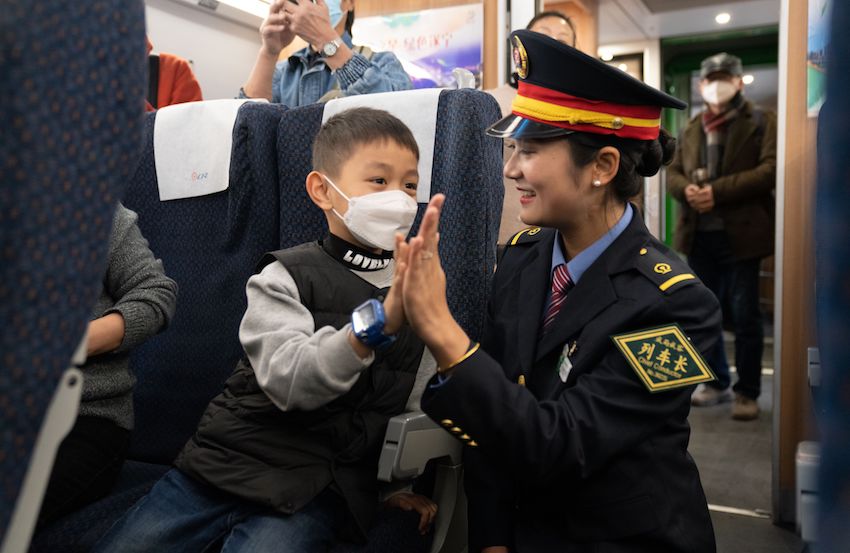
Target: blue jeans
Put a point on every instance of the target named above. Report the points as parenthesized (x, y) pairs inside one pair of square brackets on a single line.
[(735, 283), (180, 515)]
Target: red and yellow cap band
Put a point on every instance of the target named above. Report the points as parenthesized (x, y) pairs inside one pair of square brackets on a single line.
[(558, 109)]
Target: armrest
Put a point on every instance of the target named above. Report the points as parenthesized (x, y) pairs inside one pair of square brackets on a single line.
[(411, 440), (58, 421)]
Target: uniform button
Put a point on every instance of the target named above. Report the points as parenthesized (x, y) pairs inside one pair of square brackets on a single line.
[(643, 251), (472, 444), (617, 123), (447, 422), (465, 437), (456, 430)]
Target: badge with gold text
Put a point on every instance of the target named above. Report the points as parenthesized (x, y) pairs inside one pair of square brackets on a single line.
[(663, 358), (520, 58)]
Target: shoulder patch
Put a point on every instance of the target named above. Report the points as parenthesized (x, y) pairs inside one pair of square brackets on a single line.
[(663, 358), (526, 236), (667, 272)]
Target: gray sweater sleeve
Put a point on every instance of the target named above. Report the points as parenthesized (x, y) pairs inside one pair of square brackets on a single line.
[(298, 366), (135, 279)]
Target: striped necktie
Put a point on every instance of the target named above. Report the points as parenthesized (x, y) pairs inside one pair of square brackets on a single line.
[(561, 284)]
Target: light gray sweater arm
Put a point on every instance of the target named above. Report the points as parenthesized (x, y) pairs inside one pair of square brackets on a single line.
[(298, 366)]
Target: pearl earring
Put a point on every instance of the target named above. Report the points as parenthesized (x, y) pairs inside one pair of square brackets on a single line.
[(597, 182)]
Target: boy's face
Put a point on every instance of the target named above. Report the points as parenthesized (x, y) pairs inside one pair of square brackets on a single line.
[(373, 167)]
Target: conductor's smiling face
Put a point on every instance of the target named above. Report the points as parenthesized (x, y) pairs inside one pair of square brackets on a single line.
[(553, 191)]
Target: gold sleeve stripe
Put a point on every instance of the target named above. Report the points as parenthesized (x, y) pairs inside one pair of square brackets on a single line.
[(517, 235), (675, 280)]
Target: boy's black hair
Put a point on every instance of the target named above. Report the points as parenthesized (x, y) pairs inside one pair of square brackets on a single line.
[(553, 13), (349, 129)]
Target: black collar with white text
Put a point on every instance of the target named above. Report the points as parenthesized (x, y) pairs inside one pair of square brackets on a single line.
[(355, 257)]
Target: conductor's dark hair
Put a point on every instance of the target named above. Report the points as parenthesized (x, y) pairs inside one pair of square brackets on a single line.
[(638, 158), (553, 13), (346, 131)]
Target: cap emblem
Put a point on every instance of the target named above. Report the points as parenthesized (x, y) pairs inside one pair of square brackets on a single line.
[(520, 58)]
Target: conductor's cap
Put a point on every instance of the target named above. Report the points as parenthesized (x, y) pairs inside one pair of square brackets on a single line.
[(562, 91)]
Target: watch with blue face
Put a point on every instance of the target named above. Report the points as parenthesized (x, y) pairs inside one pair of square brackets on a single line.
[(367, 324)]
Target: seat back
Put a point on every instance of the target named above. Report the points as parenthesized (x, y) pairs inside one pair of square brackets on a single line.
[(467, 168), (66, 148), (210, 245)]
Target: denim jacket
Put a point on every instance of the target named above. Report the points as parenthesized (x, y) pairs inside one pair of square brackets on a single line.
[(304, 78)]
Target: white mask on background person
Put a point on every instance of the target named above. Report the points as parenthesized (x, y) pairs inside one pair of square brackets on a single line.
[(334, 11), (718, 92), (375, 218)]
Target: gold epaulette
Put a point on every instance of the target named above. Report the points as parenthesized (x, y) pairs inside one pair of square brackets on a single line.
[(525, 236), (668, 272)]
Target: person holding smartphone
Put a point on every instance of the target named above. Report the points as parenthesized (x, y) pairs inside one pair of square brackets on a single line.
[(329, 66)]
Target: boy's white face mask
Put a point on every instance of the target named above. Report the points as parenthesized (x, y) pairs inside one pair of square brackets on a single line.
[(718, 92), (373, 219)]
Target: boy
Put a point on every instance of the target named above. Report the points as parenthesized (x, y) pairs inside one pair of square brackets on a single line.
[(285, 459)]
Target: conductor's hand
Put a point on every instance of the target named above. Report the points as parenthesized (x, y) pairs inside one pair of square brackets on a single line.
[(312, 22), (425, 304), (426, 508), (425, 286), (275, 30)]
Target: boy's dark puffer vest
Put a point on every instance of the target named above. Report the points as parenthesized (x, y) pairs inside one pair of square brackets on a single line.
[(248, 447)]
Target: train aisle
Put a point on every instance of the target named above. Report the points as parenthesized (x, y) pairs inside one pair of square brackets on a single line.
[(734, 460)]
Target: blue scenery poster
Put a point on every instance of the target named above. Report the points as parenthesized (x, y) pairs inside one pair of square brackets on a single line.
[(816, 54), (429, 43)]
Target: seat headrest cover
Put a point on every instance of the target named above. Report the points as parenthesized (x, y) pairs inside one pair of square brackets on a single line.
[(417, 109), (192, 144)]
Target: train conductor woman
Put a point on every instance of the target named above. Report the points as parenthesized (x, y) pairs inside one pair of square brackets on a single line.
[(573, 407)]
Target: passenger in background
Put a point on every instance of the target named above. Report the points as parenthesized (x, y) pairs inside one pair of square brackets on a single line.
[(560, 27), (170, 81), (724, 175), (136, 301), (330, 66), (285, 460)]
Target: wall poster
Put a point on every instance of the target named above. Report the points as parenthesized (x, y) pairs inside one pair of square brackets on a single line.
[(818, 39), (429, 43)]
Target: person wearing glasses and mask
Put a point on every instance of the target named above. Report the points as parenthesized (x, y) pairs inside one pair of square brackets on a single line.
[(573, 407)]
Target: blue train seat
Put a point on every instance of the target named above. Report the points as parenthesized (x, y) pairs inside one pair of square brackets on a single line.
[(56, 208), (467, 168), (210, 245)]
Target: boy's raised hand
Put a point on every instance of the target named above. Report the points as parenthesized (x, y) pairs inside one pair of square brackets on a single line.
[(406, 501), (394, 303)]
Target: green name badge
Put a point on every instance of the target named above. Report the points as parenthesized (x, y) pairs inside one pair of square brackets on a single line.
[(663, 358)]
